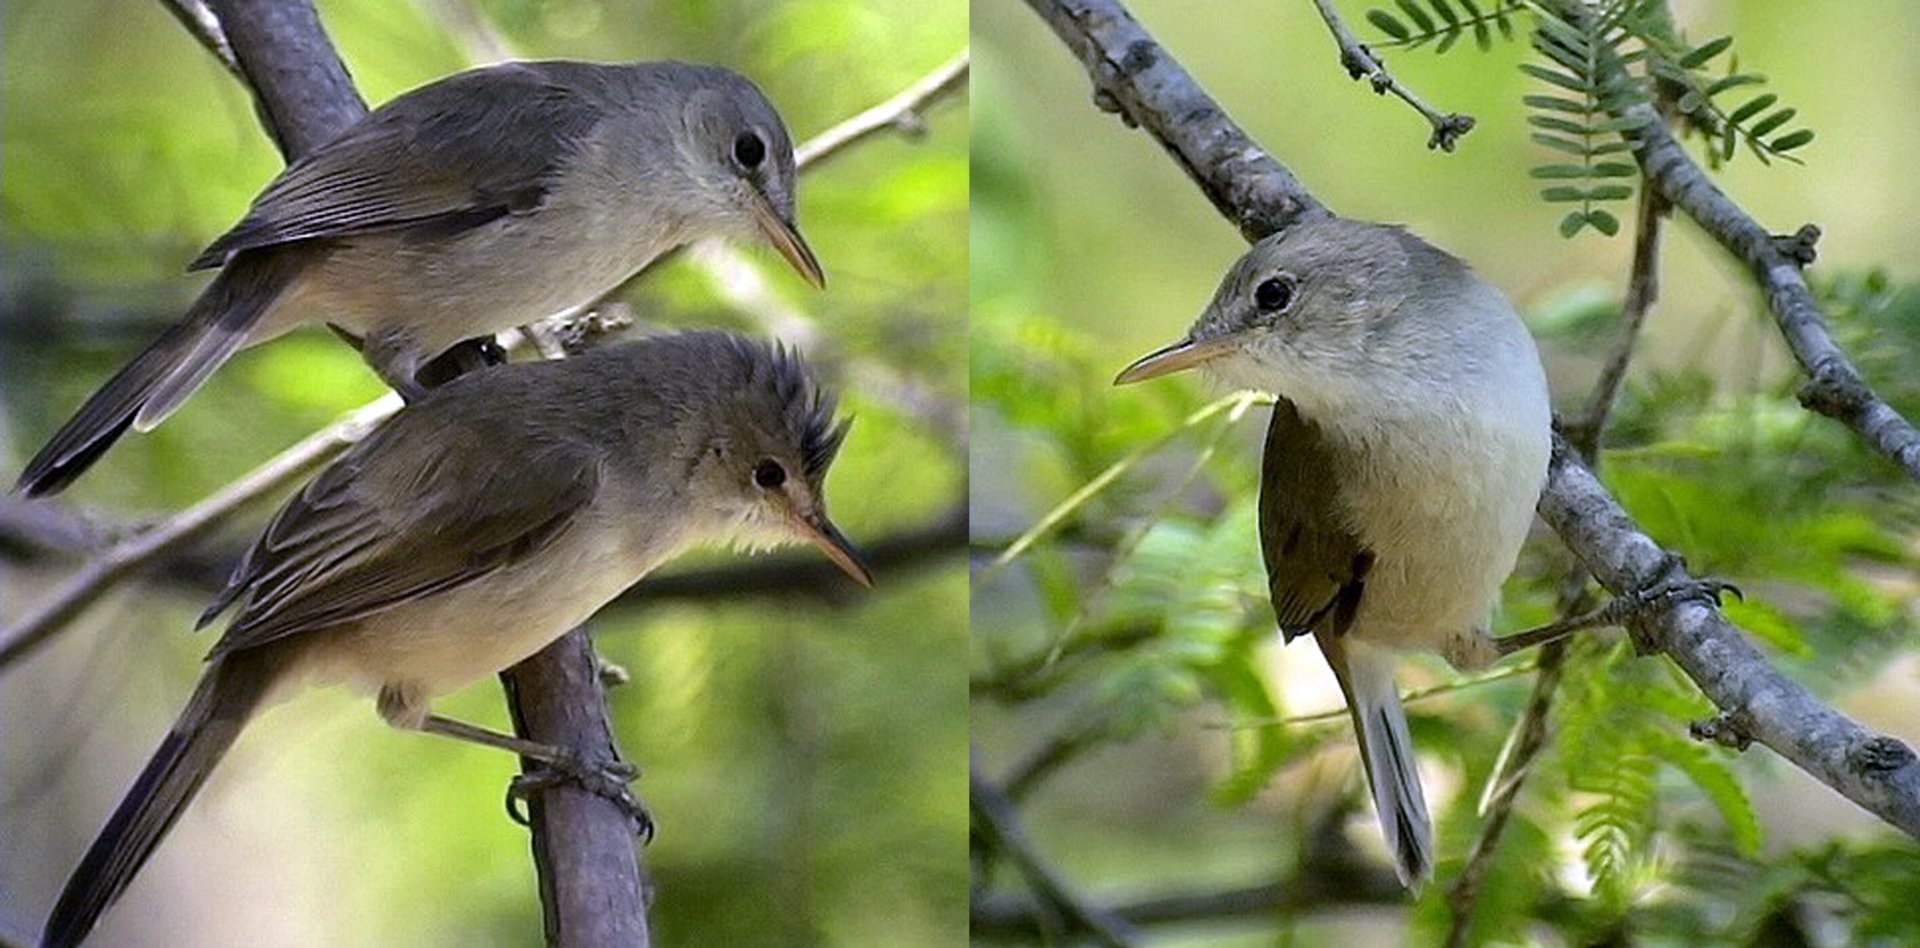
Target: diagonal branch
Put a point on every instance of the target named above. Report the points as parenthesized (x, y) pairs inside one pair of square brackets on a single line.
[(1834, 387), (996, 822), (1877, 772), (1361, 62), (1135, 78)]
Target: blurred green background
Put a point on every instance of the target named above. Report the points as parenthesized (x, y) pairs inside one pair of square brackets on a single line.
[(802, 755), (1126, 678)]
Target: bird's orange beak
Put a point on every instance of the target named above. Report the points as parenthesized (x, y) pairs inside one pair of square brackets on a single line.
[(821, 532), (1180, 356), (785, 237)]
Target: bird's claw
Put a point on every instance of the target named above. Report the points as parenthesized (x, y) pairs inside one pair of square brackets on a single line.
[(608, 780)]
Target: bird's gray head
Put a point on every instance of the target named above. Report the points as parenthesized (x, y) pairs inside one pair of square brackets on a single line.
[(740, 154), (765, 441), (1336, 313)]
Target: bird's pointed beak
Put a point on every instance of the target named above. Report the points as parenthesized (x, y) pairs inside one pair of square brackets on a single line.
[(1182, 355), (785, 237), (821, 532)]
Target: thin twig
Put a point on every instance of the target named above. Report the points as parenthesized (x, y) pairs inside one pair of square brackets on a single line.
[(141, 549), (995, 819), (1362, 63), (901, 114), (201, 23), (1134, 78)]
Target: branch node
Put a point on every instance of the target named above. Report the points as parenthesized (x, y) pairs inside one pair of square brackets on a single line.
[(1728, 729), (613, 674), (1448, 129), (1833, 392), (1879, 754), (1799, 245)]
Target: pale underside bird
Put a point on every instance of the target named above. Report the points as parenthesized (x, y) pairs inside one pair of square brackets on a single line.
[(490, 199), (476, 526)]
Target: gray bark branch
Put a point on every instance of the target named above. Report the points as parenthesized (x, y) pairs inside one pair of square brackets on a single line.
[(1834, 387), (1875, 771)]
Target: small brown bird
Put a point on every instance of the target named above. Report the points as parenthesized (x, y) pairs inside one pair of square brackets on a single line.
[(487, 200), (476, 526)]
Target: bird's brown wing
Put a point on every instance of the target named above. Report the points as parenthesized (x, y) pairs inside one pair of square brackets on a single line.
[(452, 155), (1316, 566), (397, 520)]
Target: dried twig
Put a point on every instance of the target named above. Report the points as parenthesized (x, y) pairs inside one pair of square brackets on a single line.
[(1362, 62)]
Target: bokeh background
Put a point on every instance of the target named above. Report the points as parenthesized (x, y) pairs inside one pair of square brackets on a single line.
[(1126, 681), (801, 754)]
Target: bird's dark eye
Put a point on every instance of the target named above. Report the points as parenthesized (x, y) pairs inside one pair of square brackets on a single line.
[(769, 474), (749, 150), (1274, 294)]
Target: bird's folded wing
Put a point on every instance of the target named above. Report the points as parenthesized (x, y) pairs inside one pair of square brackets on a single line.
[(1316, 565), (392, 523), (451, 155)]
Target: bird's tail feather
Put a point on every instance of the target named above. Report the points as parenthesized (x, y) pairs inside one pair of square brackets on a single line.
[(1386, 749), (227, 696), (149, 388)]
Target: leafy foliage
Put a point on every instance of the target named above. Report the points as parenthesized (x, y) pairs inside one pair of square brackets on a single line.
[(1604, 64)]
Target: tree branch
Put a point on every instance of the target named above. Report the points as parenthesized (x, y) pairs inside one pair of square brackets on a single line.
[(1362, 63), (1834, 387), (901, 114), (141, 549), (998, 825), (1878, 772), (1134, 77), (593, 889)]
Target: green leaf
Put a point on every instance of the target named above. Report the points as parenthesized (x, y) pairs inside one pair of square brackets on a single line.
[(1446, 12), (1417, 15), (1552, 123), (1386, 23), (1706, 770), (1554, 103), (1772, 122), (1562, 194), (1733, 82), (1553, 172), (1557, 143), (1792, 140), (1609, 192), (1621, 123), (1571, 224), (1562, 80), (1704, 53), (1604, 222), (1613, 169), (1447, 41), (1752, 108)]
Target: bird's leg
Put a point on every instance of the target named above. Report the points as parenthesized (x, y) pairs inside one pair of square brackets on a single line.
[(611, 781), (404, 708), (1618, 611)]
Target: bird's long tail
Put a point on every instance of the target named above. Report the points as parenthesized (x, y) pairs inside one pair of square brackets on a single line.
[(149, 388), (1373, 700), (226, 698)]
